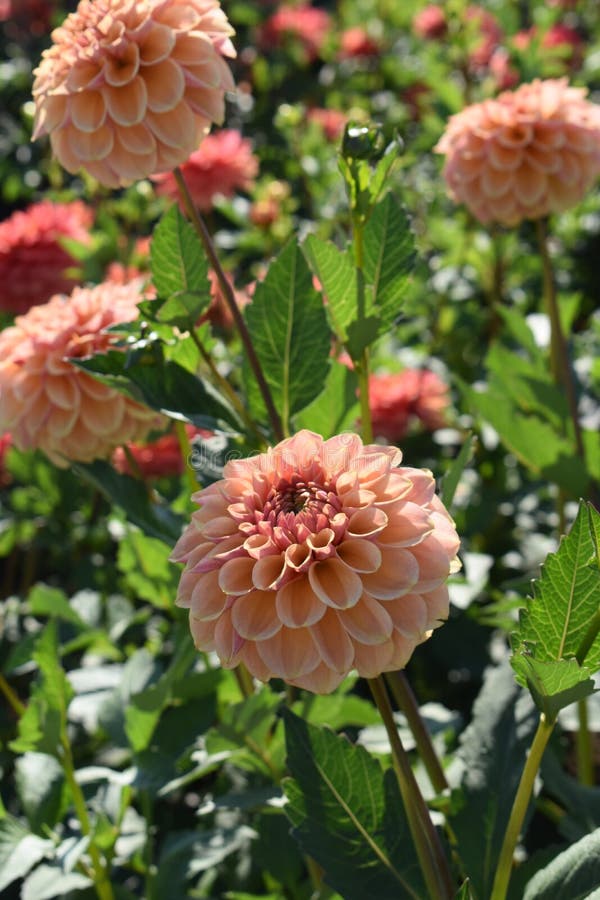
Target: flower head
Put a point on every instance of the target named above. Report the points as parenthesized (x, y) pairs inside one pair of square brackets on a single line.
[(332, 121), (430, 23), (161, 458), (524, 155), (316, 558), (33, 262), (223, 164), (395, 400), (129, 87), (357, 42), (304, 24), (47, 402)]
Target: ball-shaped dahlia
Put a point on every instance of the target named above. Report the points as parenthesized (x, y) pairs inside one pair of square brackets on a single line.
[(33, 261), (316, 558), (129, 87), (524, 155), (223, 164), (48, 403)]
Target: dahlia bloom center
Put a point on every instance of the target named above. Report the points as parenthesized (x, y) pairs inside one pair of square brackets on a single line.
[(315, 558)]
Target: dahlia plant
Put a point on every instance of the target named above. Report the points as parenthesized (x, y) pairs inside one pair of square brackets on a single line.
[(236, 416)]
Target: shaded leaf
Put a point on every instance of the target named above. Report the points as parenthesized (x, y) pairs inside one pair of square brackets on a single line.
[(453, 475), (336, 408), (348, 815), (20, 851), (553, 685), (335, 270), (39, 780), (573, 874), (50, 881)]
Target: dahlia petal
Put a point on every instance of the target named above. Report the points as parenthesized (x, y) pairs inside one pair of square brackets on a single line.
[(88, 110), (90, 146), (433, 563), (367, 522), (504, 158), (408, 524), (127, 107), (360, 555), (403, 648), (267, 571), (157, 44), (398, 573), (120, 71), (370, 660), (541, 159), (59, 422), (205, 102), (422, 485), (368, 622), (203, 634), (235, 577), (321, 680), (105, 416), (165, 85), (61, 147), (258, 545), (530, 184), (169, 126), (335, 647), (438, 606), (495, 182), (297, 604), (84, 74), (220, 527), (207, 600), (254, 616), (409, 615), (63, 392), (251, 658), (128, 165), (228, 643), (137, 139), (290, 653), (334, 583)]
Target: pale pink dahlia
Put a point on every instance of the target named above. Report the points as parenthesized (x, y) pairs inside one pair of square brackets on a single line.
[(48, 403), (316, 558), (33, 260), (223, 164), (129, 87), (524, 155)]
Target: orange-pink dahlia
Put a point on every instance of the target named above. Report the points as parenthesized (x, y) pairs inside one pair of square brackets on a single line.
[(48, 403), (130, 87), (524, 155), (33, 261), (316, 558), (223, 164)]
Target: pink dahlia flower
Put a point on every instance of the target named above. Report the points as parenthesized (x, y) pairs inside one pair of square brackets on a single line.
[(5, 445), (316, 558), (309, 26), (524, 155), (130, 87), (430, 23), (223, 164), (157, 459), (332, 121), (27, 17), (396, 400), (47, 402), (357, 42), (33, 262), (488, 35)]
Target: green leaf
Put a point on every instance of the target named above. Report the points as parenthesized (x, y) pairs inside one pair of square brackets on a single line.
[(336, 408), (39, 780), (179, 271), (144, 561), (389, 259), (335, 270), (556, 620), (454, 473), (20, 851), (288, 326), (492, 752), (50, 881), (348, 815), (575, 873), (44, 600), (580, 801), (245, 730), (187, 853), (131, 495)]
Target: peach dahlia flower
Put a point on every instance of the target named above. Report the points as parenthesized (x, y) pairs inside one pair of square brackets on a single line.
[(48, 403), (316, 558), (524, 155), (130, 87)]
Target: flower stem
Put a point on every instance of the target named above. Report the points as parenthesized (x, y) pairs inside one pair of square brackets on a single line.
[(101, 880), (229, 297), (244, 680), (406, 701), (559, 355), (433, 861), (519, 808)]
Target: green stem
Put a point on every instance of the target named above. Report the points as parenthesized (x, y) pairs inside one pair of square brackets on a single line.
[(101, 880), (432, 859), (361, 366), (519, 808), (13, 700), (230, 300), (146, 803), (244, 680), (583, 741), (559, 354), (406, 701)]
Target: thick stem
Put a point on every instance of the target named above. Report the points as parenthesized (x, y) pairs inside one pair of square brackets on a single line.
[(583, 743), (406, 700), (521, 802), (229, 298), (244, 680), (432, 859), (559, 354)]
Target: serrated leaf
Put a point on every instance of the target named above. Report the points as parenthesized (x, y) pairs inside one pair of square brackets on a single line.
[(177, 257), (454, 473), (335, 270), (389, 259), (553, 685), (348, 815), (492, 751), (575, 873), (336, 408), (20, 851), (565, 599), (245, 728), (39, 780), (183, 309), (288, 326), (154, 518)]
